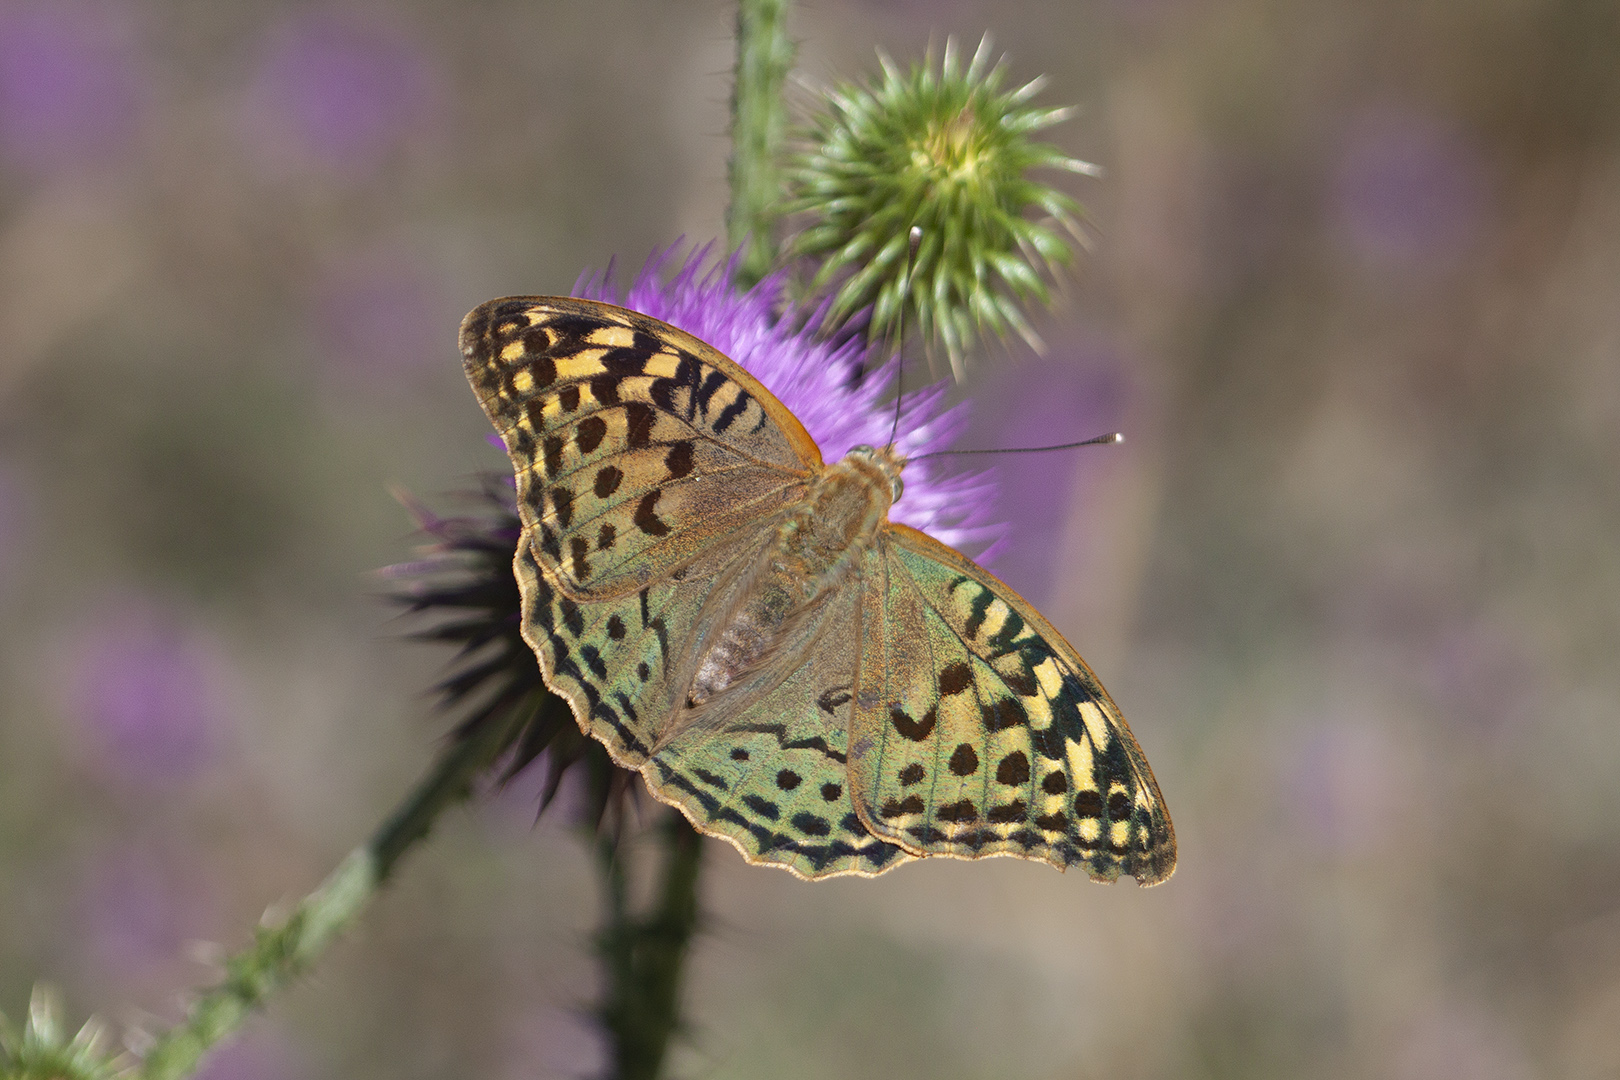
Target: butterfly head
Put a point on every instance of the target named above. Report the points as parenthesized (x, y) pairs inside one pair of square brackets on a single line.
[(887, 461)]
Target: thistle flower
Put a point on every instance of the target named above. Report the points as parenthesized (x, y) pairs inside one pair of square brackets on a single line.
[(948, 152), (466, 577), (40, 1051)]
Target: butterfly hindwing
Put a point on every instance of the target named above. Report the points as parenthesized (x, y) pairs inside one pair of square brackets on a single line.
[(624, 664), (979, 731), (635, 445), (768, 770)]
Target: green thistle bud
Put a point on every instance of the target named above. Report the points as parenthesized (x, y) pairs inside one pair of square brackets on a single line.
[(948, 152), (40, 1051)]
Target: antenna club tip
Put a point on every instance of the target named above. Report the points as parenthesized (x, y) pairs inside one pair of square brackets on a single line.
[(1117, 437)]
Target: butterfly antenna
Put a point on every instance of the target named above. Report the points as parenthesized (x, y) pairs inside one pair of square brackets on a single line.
[(915, 241), (1095, 440)]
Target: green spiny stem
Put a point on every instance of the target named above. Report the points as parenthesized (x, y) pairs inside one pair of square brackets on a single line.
[(644, 956), (758, 126), (280, 954)]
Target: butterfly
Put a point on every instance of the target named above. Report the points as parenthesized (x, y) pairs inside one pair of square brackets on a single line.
[(829, 691)]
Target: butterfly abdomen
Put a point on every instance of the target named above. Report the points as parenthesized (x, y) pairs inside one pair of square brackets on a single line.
[(817, 546)]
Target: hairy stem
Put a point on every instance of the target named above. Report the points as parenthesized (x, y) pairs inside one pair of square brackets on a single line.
[(279, 954), (758, 124)]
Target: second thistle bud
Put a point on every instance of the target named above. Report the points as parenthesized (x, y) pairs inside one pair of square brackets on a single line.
[(949, 152)]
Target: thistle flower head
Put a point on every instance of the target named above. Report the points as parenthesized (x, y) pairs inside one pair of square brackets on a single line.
[(465, 575), (947, 151), (41, 1050)]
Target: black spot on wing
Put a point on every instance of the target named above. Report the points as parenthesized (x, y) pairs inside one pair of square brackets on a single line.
[(955, 678), (608, 479), (1003, 714), (830, 700), (911, 804), (712, 383), (1013, 769), (579, 548), (562, 502), (605, 389), (764, 808), (625, 362), (589, 434), (915, 730), (639, 419), (811, 825), (679, 460), (1088, 804), (646, 516), (1017, 810), (729, 414)]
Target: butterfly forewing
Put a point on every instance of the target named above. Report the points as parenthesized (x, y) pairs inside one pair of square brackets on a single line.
[(635, 446), (979, 731)]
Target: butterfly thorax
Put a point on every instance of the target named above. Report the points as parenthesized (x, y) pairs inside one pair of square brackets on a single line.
[(816, 547)]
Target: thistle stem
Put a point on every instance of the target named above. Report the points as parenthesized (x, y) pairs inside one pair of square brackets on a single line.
[(280, 954), (758, 125), (643, 957)]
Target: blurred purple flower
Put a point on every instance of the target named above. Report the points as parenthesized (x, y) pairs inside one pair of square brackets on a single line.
[(381, 314), (137, 910), (69, 86), (1347, 785), (1407, 190), (258, 1055), (148, 692), (1486, 679), (813, 379), (340, 93)]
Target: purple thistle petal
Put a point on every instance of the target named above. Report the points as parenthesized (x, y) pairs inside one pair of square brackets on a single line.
[(813, 379)]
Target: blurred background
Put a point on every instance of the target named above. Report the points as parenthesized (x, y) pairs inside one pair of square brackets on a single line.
[(1355, 576)]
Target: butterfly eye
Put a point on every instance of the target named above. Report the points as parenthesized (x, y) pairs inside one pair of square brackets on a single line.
[(898, 487)]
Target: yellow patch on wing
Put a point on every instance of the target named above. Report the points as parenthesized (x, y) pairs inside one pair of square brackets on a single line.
[(1079, 755), (581, 365), (1119, 833), (614, 337), (1096, 724), (662, 365), (1051, 679)]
